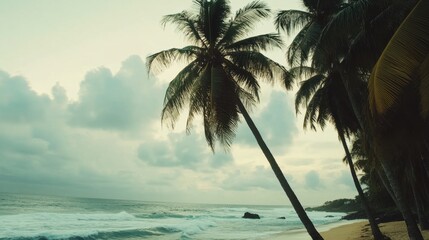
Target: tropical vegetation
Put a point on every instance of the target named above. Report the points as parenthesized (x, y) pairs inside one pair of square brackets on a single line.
[(221, 78), (361, 65)]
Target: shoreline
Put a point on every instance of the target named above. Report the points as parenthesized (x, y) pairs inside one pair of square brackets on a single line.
[(351, 230), (301, 234)]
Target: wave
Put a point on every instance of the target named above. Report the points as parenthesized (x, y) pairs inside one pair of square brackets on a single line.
[(122, 225)]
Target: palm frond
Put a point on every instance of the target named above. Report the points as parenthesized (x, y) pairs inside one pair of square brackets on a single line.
[(199, 95), (306, 90), (161, 60), (212, 19), (423, 75), (301, 47), (291, 20), (397, 65), (186, 23), (310, 117), (223, 102), (302, 72), (257, 43), (262, 66), (178, 92), (247, 98), (252, 12), (243, 21), (342, 25), (243, 78)]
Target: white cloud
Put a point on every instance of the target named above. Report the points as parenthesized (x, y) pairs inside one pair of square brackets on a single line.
[(108, 143), (125, 101)]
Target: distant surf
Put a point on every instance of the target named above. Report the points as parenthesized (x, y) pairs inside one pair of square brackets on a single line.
[(44, 217)]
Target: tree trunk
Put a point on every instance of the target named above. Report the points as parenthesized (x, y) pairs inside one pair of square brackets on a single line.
[(350, 94), (369, 213), (279, 174), (412, 228), (386, 185), (423, 221)]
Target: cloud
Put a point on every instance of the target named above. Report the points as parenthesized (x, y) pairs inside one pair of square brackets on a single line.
[(124, 102), (18, 103), (256, 178), (345, 179), (275, 122), (312, 180), (181, 150), (108, 143)]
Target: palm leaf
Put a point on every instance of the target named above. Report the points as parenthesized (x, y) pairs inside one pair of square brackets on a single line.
[(198, 96), (257, 43), (291, 20), (212, 18), (397, 66), (243, 78), (306, 90), (303, 44), (310, 117), (178, 92), (186, 23), (161, 60), (423, 74), (243, 21), (262, 66)]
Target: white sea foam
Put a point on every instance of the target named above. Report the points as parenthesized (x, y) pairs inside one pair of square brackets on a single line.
[(63, 225), (35, 217)]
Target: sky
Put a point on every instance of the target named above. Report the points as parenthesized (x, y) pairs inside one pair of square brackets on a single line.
[(80, 115)]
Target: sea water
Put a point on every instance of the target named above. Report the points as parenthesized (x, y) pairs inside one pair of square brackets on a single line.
[(47, 217)]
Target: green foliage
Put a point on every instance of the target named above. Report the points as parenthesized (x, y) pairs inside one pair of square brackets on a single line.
[(339, 205), (223, 66)]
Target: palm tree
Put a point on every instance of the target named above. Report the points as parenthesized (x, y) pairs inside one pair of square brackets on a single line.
[(401, 69), (366, 27), (325, 100), (220, 79), (322, 90), (310, 25)]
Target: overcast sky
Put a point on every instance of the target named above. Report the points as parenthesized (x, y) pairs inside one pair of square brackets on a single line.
[(79, 115)]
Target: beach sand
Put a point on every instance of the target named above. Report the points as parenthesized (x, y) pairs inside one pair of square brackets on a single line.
[(352, 230), (362, 231)]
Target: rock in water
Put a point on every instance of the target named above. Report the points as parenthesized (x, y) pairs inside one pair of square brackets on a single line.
[(251, 215)]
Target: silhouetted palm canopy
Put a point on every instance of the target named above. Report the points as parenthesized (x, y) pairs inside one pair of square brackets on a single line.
[(324, 98), (310, 24), (223, 66)]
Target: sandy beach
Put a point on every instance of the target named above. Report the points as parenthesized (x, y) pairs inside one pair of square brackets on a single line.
[(353, 230), (361, 231)]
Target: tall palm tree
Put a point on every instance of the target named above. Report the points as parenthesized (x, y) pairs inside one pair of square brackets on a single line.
[(401, 69), (321, 93), (220, 79), (354, 26), (309, 24), (325, 100)]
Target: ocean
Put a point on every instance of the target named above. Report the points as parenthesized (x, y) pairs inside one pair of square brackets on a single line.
[(47, 217)]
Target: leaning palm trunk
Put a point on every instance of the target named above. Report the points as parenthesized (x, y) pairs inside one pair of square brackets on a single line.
[(279, 174), (399, 196), (413, 230), (421, 215), (369, 213)]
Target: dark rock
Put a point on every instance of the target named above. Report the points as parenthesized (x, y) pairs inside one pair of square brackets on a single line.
[(329, 216), (251, 215), (355, 215), (281, 218), (389, 216)]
